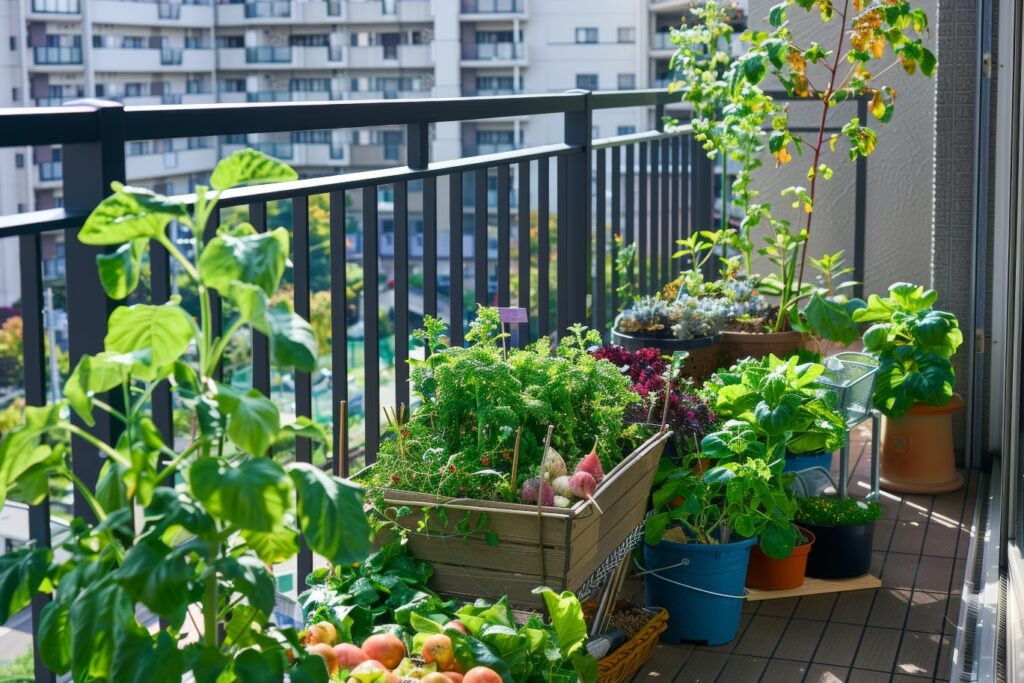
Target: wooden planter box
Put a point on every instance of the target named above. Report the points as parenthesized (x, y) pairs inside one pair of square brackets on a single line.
[(575, 541)]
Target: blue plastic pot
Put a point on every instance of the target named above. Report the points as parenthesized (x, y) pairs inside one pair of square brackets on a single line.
[(795, 463), (701, 586)]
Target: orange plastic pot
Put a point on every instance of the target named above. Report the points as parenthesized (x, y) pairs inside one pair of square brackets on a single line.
[(917, 450), (737, 345), (767, 573)]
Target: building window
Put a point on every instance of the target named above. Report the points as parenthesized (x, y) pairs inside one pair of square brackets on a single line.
[(22, 208), (627, 81), (19, 160), (586, 81), (15, 95), (626, 130), (627, 34), (13, 43), (586, 35), (230, 41), (232, 85)]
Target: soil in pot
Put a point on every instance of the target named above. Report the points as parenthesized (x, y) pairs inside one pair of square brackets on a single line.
[(739, 345), (917, 450), (840, 552), (768, 573), (700, 585)]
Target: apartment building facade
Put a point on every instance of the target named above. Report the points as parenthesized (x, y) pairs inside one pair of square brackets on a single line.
[(204, 51)]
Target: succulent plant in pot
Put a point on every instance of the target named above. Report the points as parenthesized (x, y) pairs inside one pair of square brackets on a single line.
[(914, 387)]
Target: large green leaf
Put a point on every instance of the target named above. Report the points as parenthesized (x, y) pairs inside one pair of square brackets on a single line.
[(911, 297), (130, 213), (164, 330), (831, 319), (120, 270), (22, 573), (252, 495), (257, 258), (877, 310), (157, 576), (567, 620), (143, 658), (274, 546), (248, 166), (248, 576), (98, 612), (937, 332), (103, 372), (292, 340), (253, 419), (19, 448), (331, 514), (55, 636), (777, 539), (779, 419)]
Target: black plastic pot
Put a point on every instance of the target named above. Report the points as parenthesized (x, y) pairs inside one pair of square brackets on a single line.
[(840, 552)]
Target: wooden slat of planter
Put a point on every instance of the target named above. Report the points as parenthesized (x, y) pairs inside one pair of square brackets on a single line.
[(625, 482), (470, 583), (511, 557), (511, 529)]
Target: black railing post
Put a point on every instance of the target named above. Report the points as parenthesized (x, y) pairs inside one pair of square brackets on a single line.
[(576, 222), (34, 362), (860, 211), (89, 168)]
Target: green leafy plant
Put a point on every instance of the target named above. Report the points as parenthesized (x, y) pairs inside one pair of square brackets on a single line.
[(829, 313), (864, 31), (914, 344), (781, 401), (741, 494), (828, 511), (477, 402), (178, 523)]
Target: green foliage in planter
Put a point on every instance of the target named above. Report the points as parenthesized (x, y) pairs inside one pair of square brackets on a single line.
[(829, 313), (780, 400), (914, 344), (474, 400), (828, 511), (178, 524)]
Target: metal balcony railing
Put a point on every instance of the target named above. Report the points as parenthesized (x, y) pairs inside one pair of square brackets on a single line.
[(268, 54), (334, 8), (573, 195), (169, 10), (662, 40), (268, 9), (172, 56), (493, 6), (57, 55), (56, 6), (494, 51)]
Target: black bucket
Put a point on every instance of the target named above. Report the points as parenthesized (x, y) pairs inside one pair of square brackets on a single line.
[(840, 552)]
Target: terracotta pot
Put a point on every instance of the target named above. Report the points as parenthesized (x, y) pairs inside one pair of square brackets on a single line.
[(705, 352), (739, 345), (767, 573), (917, 450)]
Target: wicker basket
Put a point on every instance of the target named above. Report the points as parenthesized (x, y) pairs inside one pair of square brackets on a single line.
[(621, 665)]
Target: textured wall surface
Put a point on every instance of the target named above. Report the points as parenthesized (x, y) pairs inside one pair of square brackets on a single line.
[(900, 172)]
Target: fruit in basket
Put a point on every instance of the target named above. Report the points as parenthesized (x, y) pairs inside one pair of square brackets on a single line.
[(453, 676), (561, 486), (481, 674), (386, 648), (327, 653), (553, 465), (437, 649), (591, 464), (435, 677), (349, 656), (321, 632), (562, 502), (583, 485), (534, 488)]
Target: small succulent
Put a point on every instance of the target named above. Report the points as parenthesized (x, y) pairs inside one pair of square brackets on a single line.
[(744, 299), (649, 315), (701, 316)]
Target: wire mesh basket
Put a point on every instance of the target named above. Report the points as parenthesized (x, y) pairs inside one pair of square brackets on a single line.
[(850, 376)]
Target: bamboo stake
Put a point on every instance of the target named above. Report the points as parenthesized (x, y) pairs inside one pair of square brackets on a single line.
[(515, 465), (342, 437), (540, 499)]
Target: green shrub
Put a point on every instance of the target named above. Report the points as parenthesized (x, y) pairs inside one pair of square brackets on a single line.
[(827, 511)]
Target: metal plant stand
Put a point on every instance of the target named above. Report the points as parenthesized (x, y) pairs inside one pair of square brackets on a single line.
[(850, 376)]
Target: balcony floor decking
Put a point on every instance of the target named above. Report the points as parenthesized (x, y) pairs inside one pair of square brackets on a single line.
[(902, 632)]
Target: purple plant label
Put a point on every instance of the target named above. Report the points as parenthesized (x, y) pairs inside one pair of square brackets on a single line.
[(513, 315)]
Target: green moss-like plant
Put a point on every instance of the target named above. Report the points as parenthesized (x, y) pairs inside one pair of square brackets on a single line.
[(828, 511)]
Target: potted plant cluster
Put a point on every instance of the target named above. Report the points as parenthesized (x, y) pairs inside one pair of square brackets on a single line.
[(518, 469), (914, 388), (843, 530)]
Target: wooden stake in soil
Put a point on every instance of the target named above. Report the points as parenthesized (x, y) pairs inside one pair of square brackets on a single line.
[(512, 488), (342, 437), (540, 501)]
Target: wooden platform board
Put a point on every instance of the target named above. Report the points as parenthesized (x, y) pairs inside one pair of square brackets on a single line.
[(816, 587)]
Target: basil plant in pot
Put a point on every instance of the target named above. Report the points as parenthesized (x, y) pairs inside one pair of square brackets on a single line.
[(194, 520), (914, 387)]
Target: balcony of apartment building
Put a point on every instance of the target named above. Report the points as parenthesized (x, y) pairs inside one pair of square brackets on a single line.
[(54, 9), (176, 13), (475, 84), (388, 11), (388, 51), (152, 54), (247, 12), (490, 10), (477, 141), (504, 53), (661, 43), (152, 159), (376, 148), (57, 57)]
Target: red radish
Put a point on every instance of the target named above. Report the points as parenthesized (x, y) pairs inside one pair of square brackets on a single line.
[(582, 484), (591, 465), (534, 487)]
